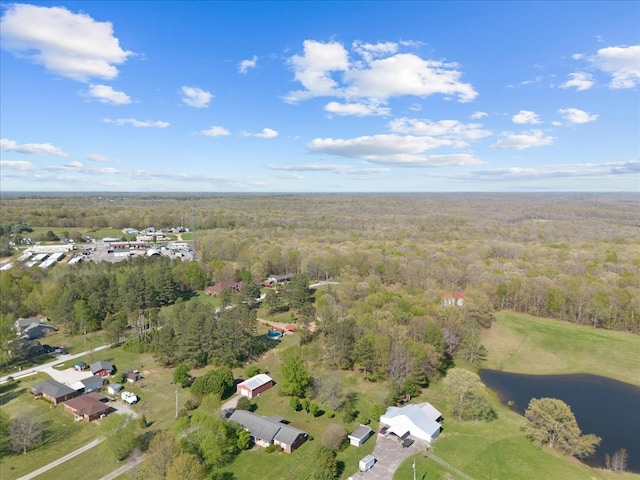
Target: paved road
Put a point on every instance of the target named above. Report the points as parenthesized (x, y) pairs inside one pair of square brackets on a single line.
[(123, 469), (57, 462), (48, 367)]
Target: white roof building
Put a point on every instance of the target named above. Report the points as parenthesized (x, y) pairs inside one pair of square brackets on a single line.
[(420, 421)]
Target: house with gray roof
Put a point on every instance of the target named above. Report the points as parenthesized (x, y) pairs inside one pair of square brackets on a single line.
[(102, 368), (89, 384), (52, 391), (22, 324), (270, 430)]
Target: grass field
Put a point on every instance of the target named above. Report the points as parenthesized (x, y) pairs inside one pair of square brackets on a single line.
[(525, 344), (498, 449)]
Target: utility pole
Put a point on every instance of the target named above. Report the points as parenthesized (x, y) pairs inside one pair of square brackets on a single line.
[(414, 469), (176, 403)]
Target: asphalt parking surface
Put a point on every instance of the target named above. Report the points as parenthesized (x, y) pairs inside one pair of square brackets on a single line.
[(389, 455)]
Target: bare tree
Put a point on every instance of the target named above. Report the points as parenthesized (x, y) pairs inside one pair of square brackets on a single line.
[(24, 433)]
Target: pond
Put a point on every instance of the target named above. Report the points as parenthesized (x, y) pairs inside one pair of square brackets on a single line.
[(606, 407)]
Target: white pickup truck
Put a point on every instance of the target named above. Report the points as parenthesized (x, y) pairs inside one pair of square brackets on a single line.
[(129, 397)]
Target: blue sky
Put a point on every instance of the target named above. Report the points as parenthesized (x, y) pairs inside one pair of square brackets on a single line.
[(320, 96)]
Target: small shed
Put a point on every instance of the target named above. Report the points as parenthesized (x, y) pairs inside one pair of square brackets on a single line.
[(80, 366), (114, 388), (360, 435), (255, 385)]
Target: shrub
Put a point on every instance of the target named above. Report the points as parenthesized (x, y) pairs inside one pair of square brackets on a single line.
[(270, 448)]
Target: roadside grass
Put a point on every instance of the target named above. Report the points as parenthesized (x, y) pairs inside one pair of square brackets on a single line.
[(157, 403), (522, 343), (62, 434)]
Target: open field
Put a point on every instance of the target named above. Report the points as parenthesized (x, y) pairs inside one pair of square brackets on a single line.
[(522, 343), (157, 403)]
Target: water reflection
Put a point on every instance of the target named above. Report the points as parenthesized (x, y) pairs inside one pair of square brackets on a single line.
[(606, 407)]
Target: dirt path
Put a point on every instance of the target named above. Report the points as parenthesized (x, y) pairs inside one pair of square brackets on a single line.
[(282, 325)]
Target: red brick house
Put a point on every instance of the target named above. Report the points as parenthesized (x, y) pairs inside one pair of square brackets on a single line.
[(52, 391), (87, 407), (255, 385), (102, 368)]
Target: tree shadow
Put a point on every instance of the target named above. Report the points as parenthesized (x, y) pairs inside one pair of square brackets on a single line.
[(340, 466), (223, 476)]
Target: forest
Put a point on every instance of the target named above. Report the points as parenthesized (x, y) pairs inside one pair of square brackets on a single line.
[(573, 257), (389, 266)]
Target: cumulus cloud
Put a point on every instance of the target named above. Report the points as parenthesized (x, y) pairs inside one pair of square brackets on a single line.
[(622, 63), (356, 109), (136, 123), (575, 115), (106, 94), (73, 45), (289, 176), (478, 115), (32, 148), (328, 167), (196, 97), (215, 131), (451, 129), (245, 65), (96, 157), (20, 165), (324, 69), (392, 149), (580, 81), (521, 141), (526, 117), (265, 133)]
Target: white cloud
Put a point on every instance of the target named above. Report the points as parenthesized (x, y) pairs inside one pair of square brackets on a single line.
[(575, 115), (32, 148), (17, 165), (580, 80), (452, 129), (623, 63), (392, 149), (289, 176), (520, 141), (313, 69), (106, 94), (196, 97), (478, 115), (525, 117), (215, 131), (324, 69), (578, 170), (245, 65), (75, 165), (96, 157), (69, 44), (265, 133), (369, 51), (136, 123), (328, 167), (356, 109)]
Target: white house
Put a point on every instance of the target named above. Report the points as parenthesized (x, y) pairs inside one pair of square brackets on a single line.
[(421, 421)]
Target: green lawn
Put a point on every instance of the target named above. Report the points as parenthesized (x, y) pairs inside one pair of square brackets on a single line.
[(525, 344), (157, 403)]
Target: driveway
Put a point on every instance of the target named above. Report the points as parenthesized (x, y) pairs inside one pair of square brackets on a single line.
[(389, 455)]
